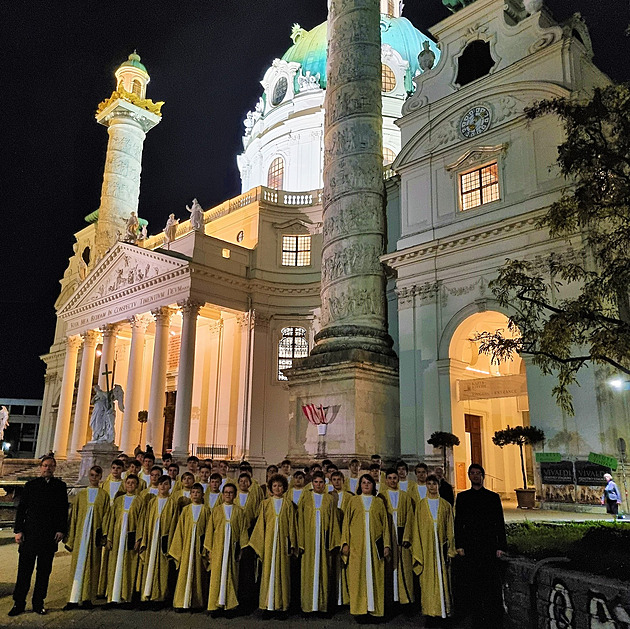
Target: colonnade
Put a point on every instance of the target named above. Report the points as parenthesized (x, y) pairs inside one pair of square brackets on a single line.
[(142, 366)]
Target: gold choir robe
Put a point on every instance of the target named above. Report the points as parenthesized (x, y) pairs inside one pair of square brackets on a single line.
[(159, 527), (212, 500), (86, 536), (416, 493), (342, 500), (187, 549), (401, 513), (125, 528), (366, 531), (226, 536), (433, 546), (274, 539), (148, 494), (318, 536), (113, 489), (351, 485), (250, 503)]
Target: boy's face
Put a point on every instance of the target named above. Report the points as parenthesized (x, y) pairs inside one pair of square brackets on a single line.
[(244, 484), (286, 469), (95, 478), (131, 484), (223, 468), (204, 474), (134, 468), (215, 483), (337, 482), (299, 481), (155, 477), (193, 466), (355, 466), (188, 481), (421, 475), (196, 495), (147, 464), (173, 472), (164, 488), (375, 474), (402, 473), (378, 461), (277, 489), (271, 473), (117, 472), (228, 495), (392, 481), (319, 485)]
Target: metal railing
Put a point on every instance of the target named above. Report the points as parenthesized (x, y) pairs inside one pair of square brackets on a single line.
[(213, 451)]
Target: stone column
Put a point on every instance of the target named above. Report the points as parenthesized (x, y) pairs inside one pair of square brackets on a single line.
[(64, 412), (353, 282), (133, 392), (155, 425), (84, 393), (185, 377), (107, 356)]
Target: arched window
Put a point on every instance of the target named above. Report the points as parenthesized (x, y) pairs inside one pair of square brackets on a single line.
[(275, 174), (388, 156), (388, 78), (137, 87), (292, 345)]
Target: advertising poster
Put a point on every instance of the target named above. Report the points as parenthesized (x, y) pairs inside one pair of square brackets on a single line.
[(590, 482), (558, 481)]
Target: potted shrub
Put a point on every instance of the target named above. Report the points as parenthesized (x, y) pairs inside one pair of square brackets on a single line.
[(521, 436), (443, 440)]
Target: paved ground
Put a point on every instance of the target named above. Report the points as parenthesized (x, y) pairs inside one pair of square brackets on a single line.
[(101, 619)]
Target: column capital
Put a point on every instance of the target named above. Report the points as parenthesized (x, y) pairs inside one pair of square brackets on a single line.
[(74, 342), (91, 338), (163, 315), (140, 322), (109, 329), (190, 307)]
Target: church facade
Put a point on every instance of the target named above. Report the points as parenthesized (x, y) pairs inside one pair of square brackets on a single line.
[(198, 329)]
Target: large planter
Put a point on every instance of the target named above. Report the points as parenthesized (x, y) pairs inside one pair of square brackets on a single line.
[(525, 498)]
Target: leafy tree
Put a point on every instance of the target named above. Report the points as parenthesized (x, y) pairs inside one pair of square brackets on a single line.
[(574, 309), (443, 440), (519, 436)]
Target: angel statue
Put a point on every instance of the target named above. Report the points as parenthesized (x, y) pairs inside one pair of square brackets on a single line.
[(4, 421), (132, 228), (196, 215), (104, 413)]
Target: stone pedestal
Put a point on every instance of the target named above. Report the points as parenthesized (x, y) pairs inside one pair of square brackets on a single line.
[(362, 394), (97, 454)]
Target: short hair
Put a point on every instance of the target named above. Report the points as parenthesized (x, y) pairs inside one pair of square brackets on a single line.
[(97, 468), (156, 467), (285, 462), (224, 462), (149, 455), (402, 464), (197, 486), (175, 465), (391, 470), (205, 466), (167, 456), (132, 477), (191, 459), (477, 466), (337, 473), (375, 456), (164, 478), (332, 466), (244, 475), (278, 478), (424, 466), (272, 467), (326, 462), (134, 462), (434, 478), (354, 461), (244, 466), (368, 477), (374, 466), (187, 475), (48, 457), (318, 475), (315, 465), (299, 473), (232, 485), (216, 476)]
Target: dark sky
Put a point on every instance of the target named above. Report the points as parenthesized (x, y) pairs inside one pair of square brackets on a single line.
[(205, 58)]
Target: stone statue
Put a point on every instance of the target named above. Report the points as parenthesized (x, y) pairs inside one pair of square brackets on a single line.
[(143, 233), (196, 216), (104, 413), (83, 268), (426, 58), (132, 228), (171, 229), (4, 421)]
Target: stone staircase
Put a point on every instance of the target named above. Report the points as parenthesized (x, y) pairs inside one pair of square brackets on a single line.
[(25, 469)]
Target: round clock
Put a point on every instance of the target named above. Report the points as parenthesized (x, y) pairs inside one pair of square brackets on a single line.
[(279, 90), (475, 121)]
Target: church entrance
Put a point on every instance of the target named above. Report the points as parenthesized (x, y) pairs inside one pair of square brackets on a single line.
[(485, 397)]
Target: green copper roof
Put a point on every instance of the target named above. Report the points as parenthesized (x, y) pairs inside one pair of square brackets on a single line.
[(92, 217), (134, 60), (310, 47)]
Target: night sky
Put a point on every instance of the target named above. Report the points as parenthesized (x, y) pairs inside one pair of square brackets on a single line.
[(205, 58)]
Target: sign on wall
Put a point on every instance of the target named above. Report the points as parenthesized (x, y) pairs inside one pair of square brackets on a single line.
[(489, 388), (558, 481)]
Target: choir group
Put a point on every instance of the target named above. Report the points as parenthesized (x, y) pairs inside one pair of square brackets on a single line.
[(148, 535)]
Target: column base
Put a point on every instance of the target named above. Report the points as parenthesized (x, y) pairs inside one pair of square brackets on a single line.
[(359, 388), (180, 456), (94, 453)]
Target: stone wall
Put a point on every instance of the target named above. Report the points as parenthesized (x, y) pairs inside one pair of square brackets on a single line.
[(544, 595)]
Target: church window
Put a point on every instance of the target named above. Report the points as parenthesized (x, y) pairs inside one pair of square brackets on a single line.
[(292, 345), (137, 88), (388, 156), (296, 250), (279, 90), (275, 174), (475, 62), (480, 186), (86, 255), (388, 78)]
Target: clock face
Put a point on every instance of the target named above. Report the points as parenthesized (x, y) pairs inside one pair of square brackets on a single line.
[(279, 91), (475, 121)]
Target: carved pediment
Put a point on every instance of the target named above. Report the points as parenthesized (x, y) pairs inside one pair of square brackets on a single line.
[(125, 269)]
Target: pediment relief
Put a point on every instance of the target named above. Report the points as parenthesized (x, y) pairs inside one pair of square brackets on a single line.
[(299, 226), (125, 267)]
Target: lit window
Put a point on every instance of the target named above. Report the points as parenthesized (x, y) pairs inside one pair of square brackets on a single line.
[(292, 345), (480, 186), (388, 78), (388, 156), (296, 250), (137, 87), (275, 175)]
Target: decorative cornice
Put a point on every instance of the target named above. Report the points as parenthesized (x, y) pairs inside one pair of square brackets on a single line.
[(143, 103)]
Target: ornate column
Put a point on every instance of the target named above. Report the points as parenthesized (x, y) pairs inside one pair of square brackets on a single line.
[(185, 375), (108, 352), (60, 446), (130, 427), (84, 393), (155, 425)]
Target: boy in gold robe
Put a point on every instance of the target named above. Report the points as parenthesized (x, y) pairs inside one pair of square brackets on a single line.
[(213, 495), (188, 552), (352, 482), (226, 536), (274, 540), (365, 540), (85, 540), (318, 536), (159, 527), (418, 491), (133, 469), (124, 538), (342, 499), (433, 548), (152, 489), (183, 495)]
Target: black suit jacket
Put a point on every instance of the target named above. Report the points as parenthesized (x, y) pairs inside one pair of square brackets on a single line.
[(446, 492), (42, 511)]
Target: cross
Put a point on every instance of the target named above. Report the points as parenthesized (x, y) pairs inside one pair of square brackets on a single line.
[(106, 374)]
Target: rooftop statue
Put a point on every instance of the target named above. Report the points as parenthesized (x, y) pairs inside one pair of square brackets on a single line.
[(4, 420), (196, 215), (104, 413), (132, 228), (170, 230)]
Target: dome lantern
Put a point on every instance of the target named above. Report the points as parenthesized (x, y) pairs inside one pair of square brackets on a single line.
[(132, 76)]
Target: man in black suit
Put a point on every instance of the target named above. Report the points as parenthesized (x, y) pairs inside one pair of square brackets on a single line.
[(41, 522), (481, 541), (446, 489)]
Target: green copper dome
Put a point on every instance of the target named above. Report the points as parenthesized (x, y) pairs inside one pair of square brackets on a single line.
[(310, 47), (134, 61)]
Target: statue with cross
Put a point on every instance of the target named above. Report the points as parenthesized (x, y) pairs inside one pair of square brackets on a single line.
[(103, 416)]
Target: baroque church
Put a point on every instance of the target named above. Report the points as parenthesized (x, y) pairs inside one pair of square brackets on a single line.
[(205, 325)]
